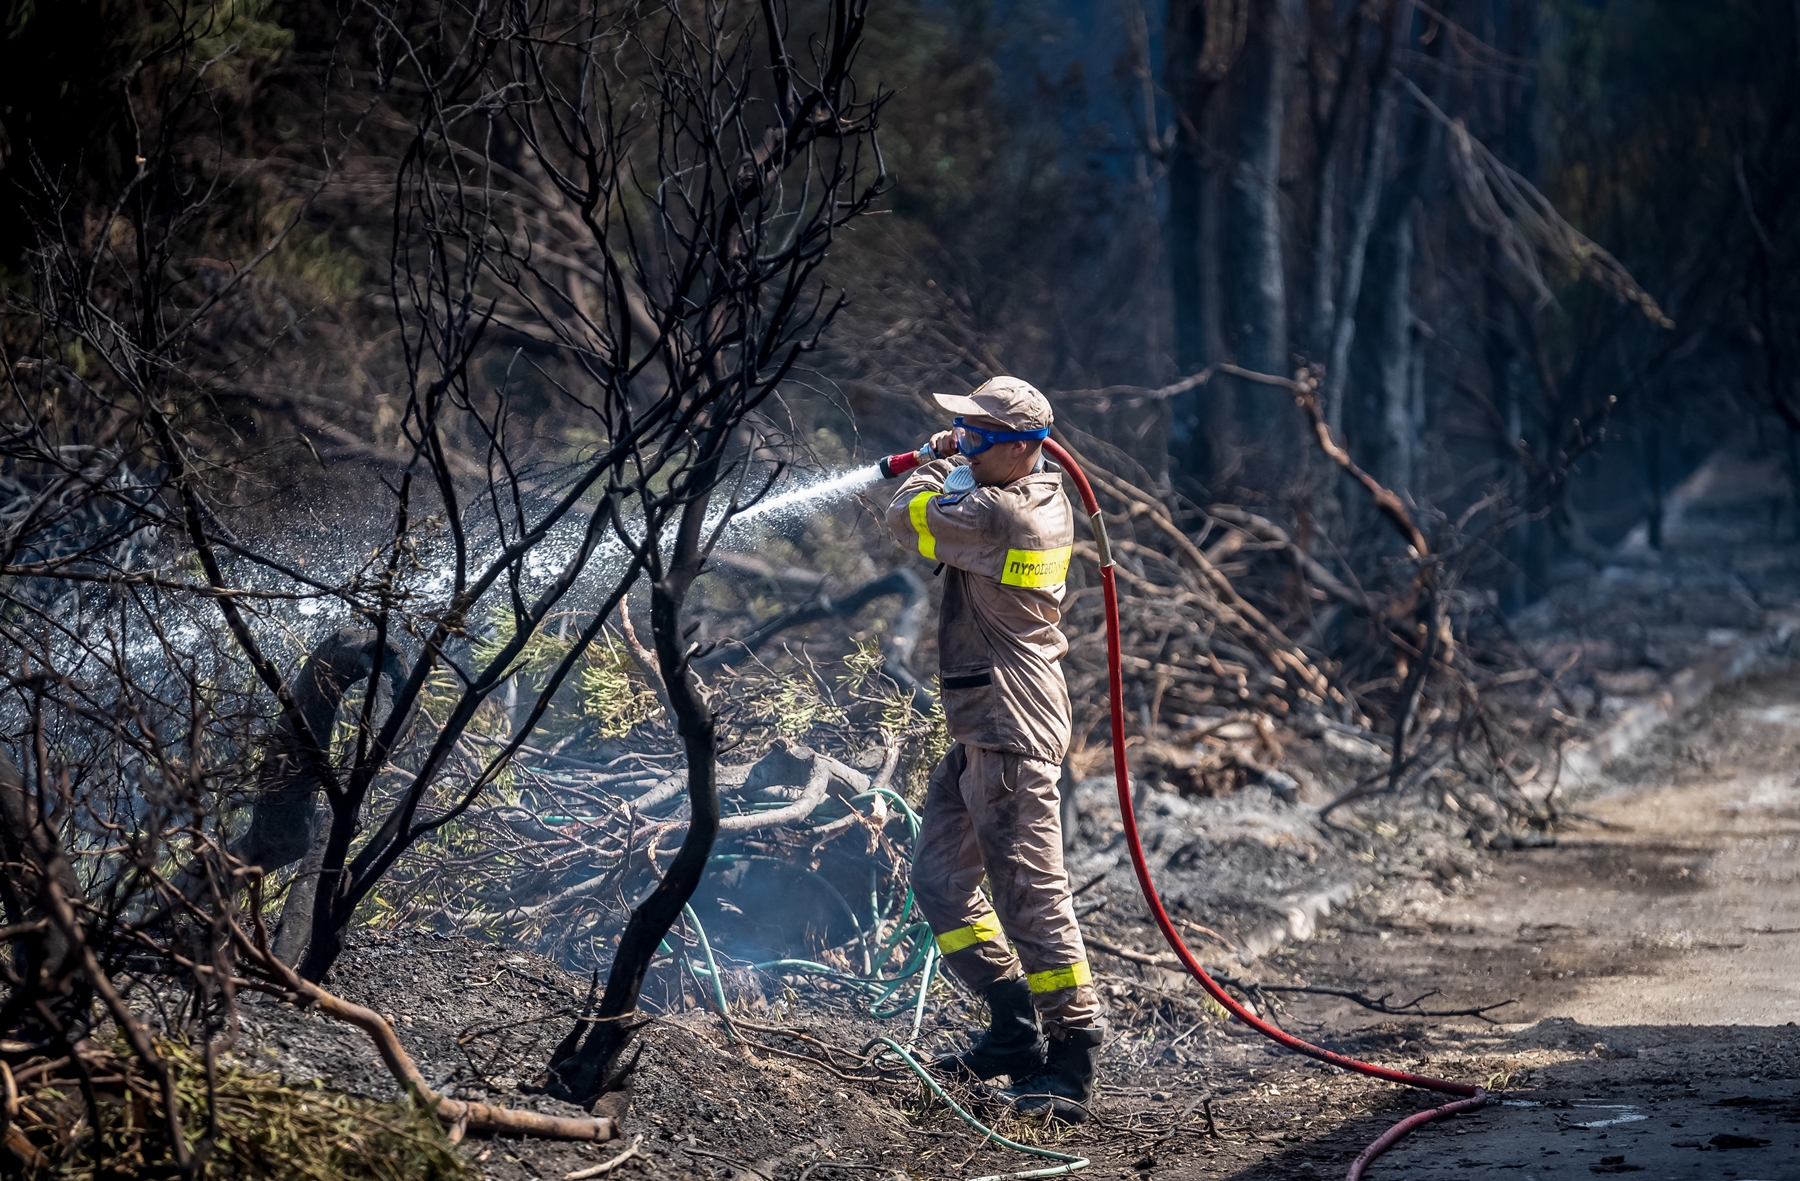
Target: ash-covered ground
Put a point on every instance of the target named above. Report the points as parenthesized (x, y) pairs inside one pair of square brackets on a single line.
[(797, 1094), (1647, 947), (1631, 946)]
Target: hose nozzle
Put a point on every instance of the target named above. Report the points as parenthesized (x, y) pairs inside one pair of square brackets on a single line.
[(906, 461)]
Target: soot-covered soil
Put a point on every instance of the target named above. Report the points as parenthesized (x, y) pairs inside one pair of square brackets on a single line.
[(772, 1106), (1650, 954), (1650, 950), (1209, 1100), (794, 1094)]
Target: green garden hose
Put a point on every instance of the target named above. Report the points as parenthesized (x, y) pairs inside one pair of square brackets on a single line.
[(712, 969), (1069, 1165)]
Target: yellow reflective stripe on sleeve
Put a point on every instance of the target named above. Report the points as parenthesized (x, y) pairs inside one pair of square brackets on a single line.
[(1036, 567), (983, 929), (1059, 978), (916, 510)]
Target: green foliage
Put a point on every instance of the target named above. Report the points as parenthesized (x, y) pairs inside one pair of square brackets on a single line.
[(613, 692), (439, 695), (797, 706), (863, 663), (541, 652)]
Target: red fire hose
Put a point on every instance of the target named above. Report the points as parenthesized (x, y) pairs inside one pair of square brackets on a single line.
[(1473, 1096)]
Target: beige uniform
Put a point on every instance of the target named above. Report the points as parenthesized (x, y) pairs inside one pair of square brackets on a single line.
[(992, 804)]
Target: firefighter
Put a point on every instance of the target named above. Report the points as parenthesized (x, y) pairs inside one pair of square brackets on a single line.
[(1001, 529)]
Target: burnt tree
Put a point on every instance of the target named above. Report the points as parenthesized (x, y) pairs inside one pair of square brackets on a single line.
[(605, 232)]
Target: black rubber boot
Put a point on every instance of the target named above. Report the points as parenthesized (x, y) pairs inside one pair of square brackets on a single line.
[(1068, 1074), (1012, 1044)]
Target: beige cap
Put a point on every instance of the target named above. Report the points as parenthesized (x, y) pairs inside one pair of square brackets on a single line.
[(1016, 403)]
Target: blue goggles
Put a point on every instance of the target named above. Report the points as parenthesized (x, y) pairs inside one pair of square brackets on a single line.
[(973, 440)]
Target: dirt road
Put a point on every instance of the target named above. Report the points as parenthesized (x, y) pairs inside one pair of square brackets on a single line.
[(1655, 956)]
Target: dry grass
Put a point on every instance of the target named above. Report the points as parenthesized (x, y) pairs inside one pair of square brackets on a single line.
[(258, 1128)]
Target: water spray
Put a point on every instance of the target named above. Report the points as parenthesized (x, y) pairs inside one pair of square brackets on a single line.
[(1472, 1096), (830, 489)]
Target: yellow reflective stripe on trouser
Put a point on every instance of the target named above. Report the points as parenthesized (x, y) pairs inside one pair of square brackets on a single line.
[(1059, 978), (916, 510), (1036, 567), (980, 931)]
